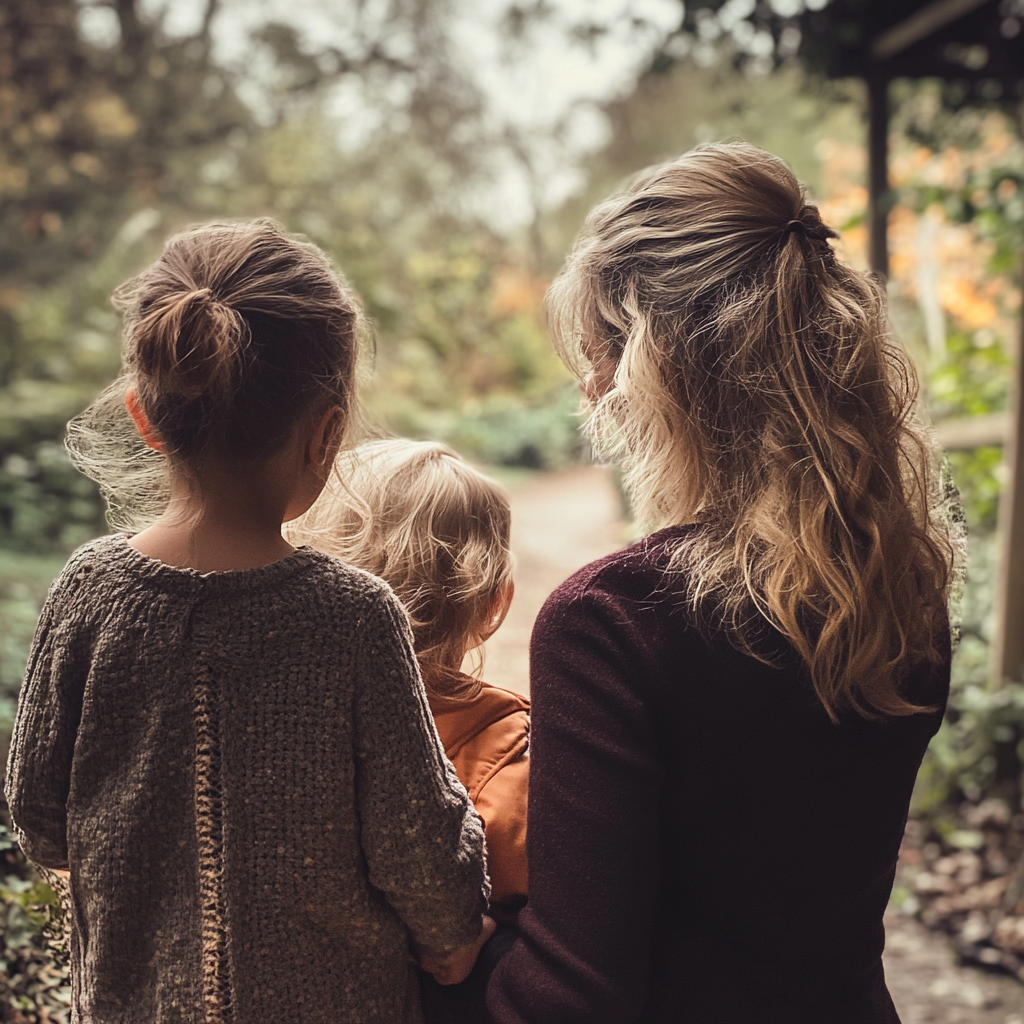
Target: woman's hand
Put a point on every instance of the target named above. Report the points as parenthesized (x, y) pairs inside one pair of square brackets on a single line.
[(455, 967)]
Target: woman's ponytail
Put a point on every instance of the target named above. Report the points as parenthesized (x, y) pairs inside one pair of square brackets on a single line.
[(757, 394)]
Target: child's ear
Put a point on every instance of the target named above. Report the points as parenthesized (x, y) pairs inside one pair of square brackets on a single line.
[(326, 438), (142, 424), (502, 602)]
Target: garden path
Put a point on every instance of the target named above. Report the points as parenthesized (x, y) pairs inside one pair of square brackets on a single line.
[(561, 521)]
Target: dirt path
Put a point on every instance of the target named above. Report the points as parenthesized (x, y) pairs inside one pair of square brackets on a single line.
[(929, 987), (561, 522)]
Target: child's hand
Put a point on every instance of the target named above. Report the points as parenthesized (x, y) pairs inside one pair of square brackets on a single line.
[(455, 967)]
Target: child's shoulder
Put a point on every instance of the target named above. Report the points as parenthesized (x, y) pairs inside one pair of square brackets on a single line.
[(103, 555), (483, 734), (110, 565), (460, 719), (500, 699), (349, 583)]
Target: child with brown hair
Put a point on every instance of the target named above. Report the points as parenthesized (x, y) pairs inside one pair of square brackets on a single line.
[(225, 739), (416, 515)]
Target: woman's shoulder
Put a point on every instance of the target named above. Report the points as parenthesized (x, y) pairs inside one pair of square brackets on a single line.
[(638, 572)]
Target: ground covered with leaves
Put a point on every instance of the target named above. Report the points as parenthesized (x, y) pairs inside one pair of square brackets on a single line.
[(968, 882), (35, 987)]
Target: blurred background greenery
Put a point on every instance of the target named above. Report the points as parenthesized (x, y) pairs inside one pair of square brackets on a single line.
[(436, 153), (446, 155)]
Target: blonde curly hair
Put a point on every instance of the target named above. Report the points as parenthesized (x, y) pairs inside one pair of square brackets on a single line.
[(419, 517), (748, 383)]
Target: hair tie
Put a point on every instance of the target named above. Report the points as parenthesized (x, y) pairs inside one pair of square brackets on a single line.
[(819, 231)]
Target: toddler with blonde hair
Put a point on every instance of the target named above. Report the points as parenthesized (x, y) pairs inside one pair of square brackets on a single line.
[(416, 515)]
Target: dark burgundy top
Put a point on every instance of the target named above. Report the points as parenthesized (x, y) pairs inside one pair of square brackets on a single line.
[(705, 846)]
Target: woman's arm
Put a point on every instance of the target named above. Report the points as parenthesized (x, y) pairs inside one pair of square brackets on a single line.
[(422, 840), (43, 742), (586, 945)]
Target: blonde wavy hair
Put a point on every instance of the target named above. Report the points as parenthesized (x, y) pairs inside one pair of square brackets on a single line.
[(748, 383), (416, 515)]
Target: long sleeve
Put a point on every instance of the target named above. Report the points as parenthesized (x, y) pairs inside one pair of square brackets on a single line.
[(428, 858), (586, 934), (42, 745)]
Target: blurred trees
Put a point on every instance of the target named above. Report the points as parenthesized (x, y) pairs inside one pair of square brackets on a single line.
[(113, 132)]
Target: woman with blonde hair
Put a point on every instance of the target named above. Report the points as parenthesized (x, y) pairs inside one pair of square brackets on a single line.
[(728, 716)]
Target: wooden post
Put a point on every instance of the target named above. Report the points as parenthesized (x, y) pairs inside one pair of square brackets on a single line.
[(1008, 621), (878, 171)]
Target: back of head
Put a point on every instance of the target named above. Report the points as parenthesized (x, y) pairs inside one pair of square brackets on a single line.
[(755, 391), (416, 515), (236, 332)]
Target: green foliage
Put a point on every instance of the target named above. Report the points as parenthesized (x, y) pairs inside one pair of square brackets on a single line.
[(24, 580), (990, 193), (503, 430), (979, 748), (977, 751), (35, 985), (973, 379)]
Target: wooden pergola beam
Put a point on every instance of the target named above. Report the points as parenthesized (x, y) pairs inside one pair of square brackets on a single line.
[(957, 434), (878, 172), (1007, 660), (920, 25)]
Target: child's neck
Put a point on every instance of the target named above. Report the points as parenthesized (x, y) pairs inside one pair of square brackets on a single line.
[(219, 520)]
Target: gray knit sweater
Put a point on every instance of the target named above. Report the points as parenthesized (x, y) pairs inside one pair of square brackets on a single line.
[(241, 772)]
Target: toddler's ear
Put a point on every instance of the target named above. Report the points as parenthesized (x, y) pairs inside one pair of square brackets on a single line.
[(142, 424), (502, 602)]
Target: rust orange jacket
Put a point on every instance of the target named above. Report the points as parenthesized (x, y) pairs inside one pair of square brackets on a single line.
[(486, 739)]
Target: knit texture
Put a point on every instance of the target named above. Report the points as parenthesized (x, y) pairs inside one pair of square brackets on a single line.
[(242, 774)]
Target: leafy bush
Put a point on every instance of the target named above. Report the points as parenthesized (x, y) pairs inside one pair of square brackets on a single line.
[(24, 580), (502, 430), (35, 986), (979, 749)]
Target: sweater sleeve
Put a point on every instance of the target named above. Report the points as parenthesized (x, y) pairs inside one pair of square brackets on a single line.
[(43, 742), (422, 839), (586, 934)]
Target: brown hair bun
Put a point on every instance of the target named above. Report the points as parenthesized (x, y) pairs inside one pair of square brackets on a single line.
[(233, 335), (189, 342), (236, 332)]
